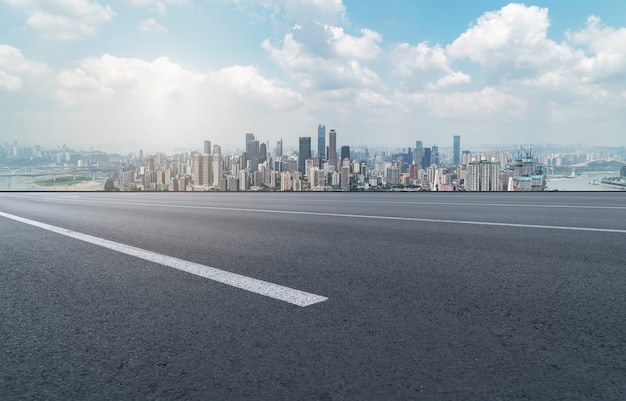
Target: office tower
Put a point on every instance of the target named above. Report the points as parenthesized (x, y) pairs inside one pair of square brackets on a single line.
[(262, 153), (434, 155), (279, 148), (249, 138), (207, 147), (201, 170), (140, 155), (426, 158), (321, 141), (418, 153), (332, 148), (217, 150), (456, 141), (150, 163), (345, 153), (217, 169), (252, 152), (304, 153), (345, 176)]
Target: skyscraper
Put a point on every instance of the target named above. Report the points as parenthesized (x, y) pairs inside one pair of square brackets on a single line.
[(426, 158), (217, 169), (252, 152), (434, 155), (456, 141), (207, 147), (321, 141), (332, 148), (201, 170), (262, 153), (483, 175), (418, 153), (345, 153), (304, 153), (279, 148)]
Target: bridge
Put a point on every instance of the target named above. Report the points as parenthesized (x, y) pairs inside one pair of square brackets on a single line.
[(54, 171), (38, 171), (607, 160)]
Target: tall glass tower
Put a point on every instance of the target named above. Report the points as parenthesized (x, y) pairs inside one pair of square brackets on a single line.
[(321, 141), (304, 153), (332, 148), (457, 149)]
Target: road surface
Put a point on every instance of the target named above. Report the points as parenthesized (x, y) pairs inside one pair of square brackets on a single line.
[(312, 296)]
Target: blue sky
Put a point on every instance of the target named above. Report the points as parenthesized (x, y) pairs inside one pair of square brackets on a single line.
[(167, 74)]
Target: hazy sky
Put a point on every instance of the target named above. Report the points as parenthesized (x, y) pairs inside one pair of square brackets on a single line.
[(167, 74)]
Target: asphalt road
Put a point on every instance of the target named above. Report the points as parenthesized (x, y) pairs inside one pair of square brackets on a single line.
[(421, 296)]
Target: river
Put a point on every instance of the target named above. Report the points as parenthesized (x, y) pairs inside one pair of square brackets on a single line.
[(583, 182)]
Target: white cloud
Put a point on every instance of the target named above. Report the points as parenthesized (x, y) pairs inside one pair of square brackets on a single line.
[(97, 78), (156, 99), (608, 48), (486, 104), (330, 66), (159, 6), (452, 79), (511, 42), (353, 47), (64, 20), (14, 67), (372, 100), (409, 60), (328, 12), (151, 25)]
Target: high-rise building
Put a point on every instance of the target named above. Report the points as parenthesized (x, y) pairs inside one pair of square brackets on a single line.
[(304, 153), (456, 144), (321, 141), (345, 153), (217, 150), (207, 147), (332, 148), (426, 158), (434, 155), (252, 152), (201, 170), (418, 153), (262, 153), (217, 169), (483, 175), (279, 148)]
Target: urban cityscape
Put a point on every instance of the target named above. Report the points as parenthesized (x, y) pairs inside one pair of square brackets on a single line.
[(318, 163)]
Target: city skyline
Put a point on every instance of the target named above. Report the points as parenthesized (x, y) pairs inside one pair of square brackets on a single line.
[(163, 74)]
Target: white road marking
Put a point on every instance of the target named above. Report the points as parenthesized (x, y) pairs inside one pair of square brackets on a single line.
[(516, 205), (359, 216), (279, 292)]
